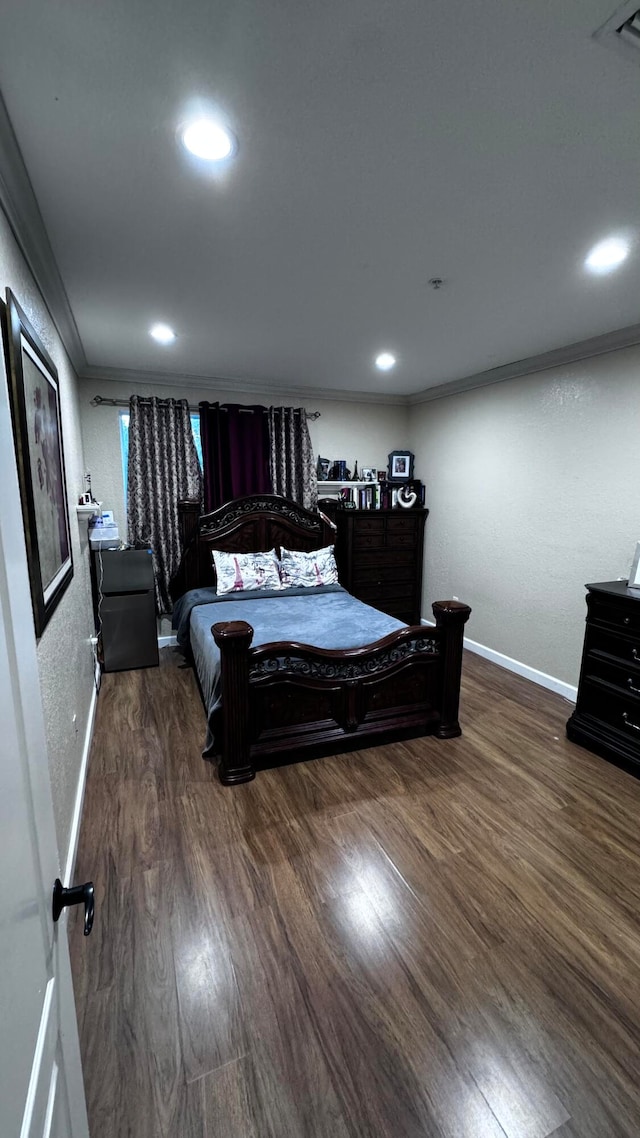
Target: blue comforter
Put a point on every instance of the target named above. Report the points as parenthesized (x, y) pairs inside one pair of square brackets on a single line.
[(327, 617)]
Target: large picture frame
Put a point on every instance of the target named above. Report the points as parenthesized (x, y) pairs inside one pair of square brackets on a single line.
[(37, 430)]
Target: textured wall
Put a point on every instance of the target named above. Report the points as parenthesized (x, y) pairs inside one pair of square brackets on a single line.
[(65, 657), (533, 491), (363, 431)]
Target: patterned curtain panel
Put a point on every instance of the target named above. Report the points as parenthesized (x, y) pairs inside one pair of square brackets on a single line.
[(293, 468), (163, 468)]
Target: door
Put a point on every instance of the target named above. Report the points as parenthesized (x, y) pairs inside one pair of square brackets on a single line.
[(41, 1090)]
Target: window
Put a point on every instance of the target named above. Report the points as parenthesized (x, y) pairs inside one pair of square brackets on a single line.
[(124, 443)]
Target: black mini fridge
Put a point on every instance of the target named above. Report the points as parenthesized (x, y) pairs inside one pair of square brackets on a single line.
[(126, 608)]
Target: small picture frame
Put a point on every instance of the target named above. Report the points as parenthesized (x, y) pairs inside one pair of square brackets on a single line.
[(368, 474), (400, 465), (634, 574)]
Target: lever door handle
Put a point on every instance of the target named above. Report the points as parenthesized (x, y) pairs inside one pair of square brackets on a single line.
[(78, 895)]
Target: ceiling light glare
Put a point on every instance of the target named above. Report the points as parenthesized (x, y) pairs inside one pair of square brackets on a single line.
[(206, 139), (162, 334), (385, 361), (607, 255)]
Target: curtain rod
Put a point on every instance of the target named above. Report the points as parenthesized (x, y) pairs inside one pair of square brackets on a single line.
[(101, 401)]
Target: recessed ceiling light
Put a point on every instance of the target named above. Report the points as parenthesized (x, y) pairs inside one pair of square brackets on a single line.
[(607, 255), (385, 361), (162, 333), (207, 139)]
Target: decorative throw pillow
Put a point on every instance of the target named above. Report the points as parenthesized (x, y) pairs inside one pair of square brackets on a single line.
[(315, 568), (236, 571)]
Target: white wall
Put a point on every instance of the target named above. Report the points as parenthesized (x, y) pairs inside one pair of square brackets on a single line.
[(363, 431), (65, 656), (533, 490)]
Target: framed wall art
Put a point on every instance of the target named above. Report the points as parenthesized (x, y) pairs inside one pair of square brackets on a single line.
[(37, 429), (400, 465)]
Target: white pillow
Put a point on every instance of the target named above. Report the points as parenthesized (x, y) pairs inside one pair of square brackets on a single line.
[(315, 568), (236, 571)]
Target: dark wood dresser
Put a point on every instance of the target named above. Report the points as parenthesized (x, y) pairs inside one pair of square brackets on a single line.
[(379, 555), (607, 715)]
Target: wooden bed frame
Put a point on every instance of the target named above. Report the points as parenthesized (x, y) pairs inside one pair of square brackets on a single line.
[(292, 701)]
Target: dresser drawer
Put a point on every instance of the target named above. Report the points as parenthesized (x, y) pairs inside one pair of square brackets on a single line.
[(386, 559), (624, 617), (374, 524), (625, 648), (381, 590), (614, 710), (402, 523), (402, 540), (364, 543), (625, 678), (381, 574)]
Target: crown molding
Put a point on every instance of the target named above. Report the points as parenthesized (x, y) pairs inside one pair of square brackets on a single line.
[(251, 387), (557, 357), (19, 204)]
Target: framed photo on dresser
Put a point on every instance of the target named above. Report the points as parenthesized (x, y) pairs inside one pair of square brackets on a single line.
[(400, 465)]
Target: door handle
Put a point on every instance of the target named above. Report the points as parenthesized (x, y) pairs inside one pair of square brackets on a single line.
[(78, 895)]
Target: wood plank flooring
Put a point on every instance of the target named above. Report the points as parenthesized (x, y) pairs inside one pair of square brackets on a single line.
[(436, 939)]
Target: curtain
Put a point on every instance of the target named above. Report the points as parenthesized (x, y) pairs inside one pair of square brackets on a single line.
[(163, 468), (293, 469), (235, 452)]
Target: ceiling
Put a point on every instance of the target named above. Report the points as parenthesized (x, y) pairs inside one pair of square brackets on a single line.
[(380, 143)]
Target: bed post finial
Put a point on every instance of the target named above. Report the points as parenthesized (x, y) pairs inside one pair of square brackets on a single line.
[(234, 638), (451, 617)]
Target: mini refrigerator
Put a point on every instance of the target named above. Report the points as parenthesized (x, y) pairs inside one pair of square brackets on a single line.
[(126, 608)]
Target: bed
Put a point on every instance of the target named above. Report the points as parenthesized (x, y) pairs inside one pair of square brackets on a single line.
[(295, 674)]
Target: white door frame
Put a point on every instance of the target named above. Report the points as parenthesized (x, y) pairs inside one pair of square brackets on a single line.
[(55, 1104)]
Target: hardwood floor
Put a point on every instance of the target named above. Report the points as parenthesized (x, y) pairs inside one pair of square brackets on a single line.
[(435, 938)]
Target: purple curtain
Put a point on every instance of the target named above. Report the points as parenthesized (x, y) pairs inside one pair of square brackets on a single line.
[(235, 452)]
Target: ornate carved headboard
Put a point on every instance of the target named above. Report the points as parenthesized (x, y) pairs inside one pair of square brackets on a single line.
[(244, 525)]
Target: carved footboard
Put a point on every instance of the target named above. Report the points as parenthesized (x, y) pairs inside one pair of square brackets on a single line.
[(293, 699)]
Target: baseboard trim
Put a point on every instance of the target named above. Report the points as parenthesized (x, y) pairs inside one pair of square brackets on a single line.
[(167, 641), (568, 691), (74, 836)]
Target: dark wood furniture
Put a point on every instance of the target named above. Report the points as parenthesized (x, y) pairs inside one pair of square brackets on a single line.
[(607, 715), (289, 700), (379, 555)]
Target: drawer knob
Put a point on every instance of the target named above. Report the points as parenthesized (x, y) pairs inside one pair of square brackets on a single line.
[(628, 723), (632, 687), (626, 620), (635, 654)]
